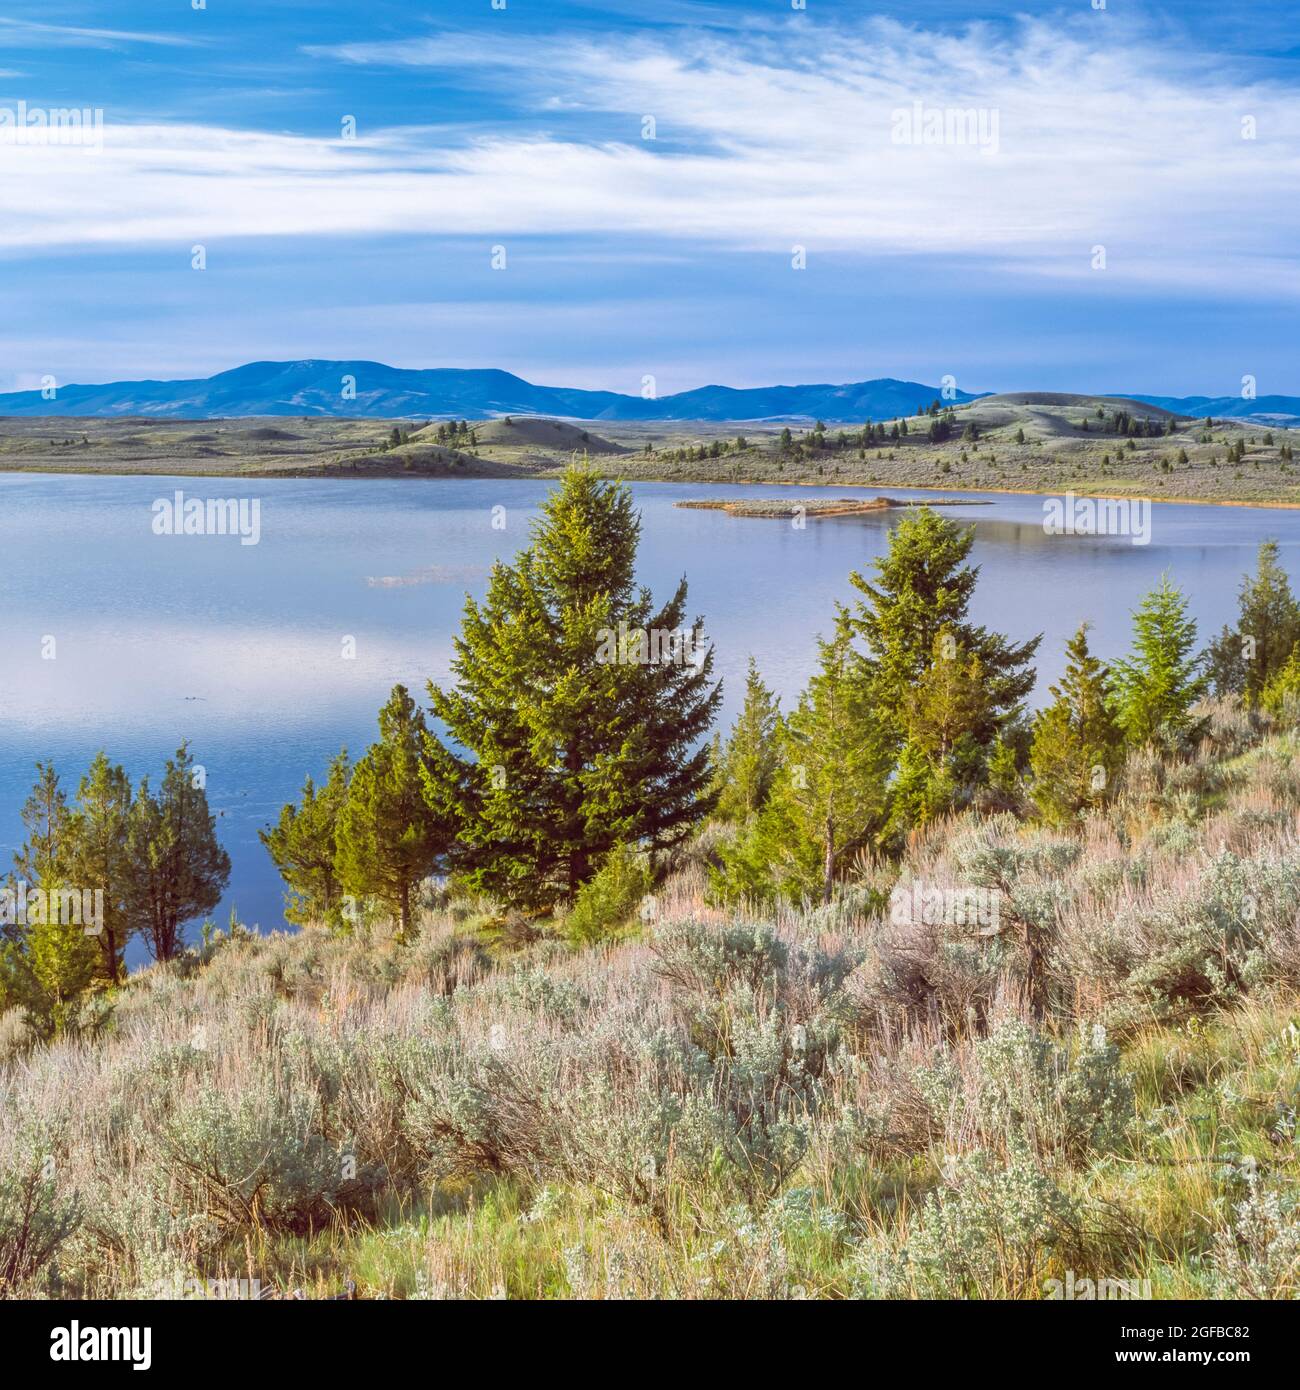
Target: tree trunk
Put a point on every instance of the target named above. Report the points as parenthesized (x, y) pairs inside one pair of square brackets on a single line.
[(828, 862), (110, 952)]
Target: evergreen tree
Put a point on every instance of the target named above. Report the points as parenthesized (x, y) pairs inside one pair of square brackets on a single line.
[(48, 961), (1281, 696), (922, 588), (1243, 660), (578, 714), (49, 826), (388, 837), (1077, 745), (177, 869), (1152, 691), (61, 956), (303, 847), (830, 796), (99, 860), (749, 762), (950, 729)]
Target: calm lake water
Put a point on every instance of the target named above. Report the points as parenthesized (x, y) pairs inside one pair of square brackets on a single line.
[(239, 648)]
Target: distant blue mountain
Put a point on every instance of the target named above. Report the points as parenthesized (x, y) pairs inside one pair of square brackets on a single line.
[(373, 390), (1280, 408)]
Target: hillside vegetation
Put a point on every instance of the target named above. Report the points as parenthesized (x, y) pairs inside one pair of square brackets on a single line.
[(900, 992), (837, 1102), (1029, 442)]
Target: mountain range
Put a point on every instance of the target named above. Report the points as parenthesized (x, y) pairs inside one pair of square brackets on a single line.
[(373, 390)]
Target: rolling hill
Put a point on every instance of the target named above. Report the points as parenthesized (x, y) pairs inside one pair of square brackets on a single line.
[(372, 390), (1278, 410)]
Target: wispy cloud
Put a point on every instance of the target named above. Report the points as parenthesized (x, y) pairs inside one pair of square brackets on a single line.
[(782, 139), (23, 33)]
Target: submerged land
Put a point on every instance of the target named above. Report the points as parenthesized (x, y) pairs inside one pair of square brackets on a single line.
[(766, 507), (1022, 442)]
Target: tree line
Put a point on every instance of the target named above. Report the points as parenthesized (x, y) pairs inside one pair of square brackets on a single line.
[(915, 713), (545, 772), (552, 758), (541, 767), (150, 857)]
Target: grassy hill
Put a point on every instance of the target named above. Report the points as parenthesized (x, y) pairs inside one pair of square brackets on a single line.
[(854, 1101), (1023, 442)]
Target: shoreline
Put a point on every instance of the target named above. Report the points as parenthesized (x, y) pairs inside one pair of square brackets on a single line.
[(492, 472)]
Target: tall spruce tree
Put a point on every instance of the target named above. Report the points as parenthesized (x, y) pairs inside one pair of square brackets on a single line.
[(1077, 746), (1153, 689), (99, 859), (829, 797), (913, 617), (1244, 659), (303, 846), (577, 722), (388, 838), (48, 822), (923, 587), (749, 761), (61, 956), (177, 869), (49, 960), (951, 730)]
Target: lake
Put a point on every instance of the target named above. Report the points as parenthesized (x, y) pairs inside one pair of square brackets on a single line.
[(240, 648)]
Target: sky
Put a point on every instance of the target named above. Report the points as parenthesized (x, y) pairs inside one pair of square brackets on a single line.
[(582, 193)]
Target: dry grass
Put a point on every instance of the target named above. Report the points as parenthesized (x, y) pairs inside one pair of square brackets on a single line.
[(822, 1103)]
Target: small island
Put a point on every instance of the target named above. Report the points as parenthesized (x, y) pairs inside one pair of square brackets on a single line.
[(779, 507)]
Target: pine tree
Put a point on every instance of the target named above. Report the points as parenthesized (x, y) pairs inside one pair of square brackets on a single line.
[(1077, 745), (49, 826), (48, 961), (388, 837), (577, 717), (303, 847), (1152, 691), (950, 730), (830, 796), (749, 762), (177, 869), (61, 956), (1281, 696), (99, 860), (1245, 659), (923, 587)]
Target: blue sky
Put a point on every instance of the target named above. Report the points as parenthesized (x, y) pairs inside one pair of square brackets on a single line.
[(1169, 135)]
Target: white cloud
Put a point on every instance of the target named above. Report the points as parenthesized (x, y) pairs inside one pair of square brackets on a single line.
[(764, 143), (23, 33)]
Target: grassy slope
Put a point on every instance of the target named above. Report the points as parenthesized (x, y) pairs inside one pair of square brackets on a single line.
[(776, 1107), (1055, 456)]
